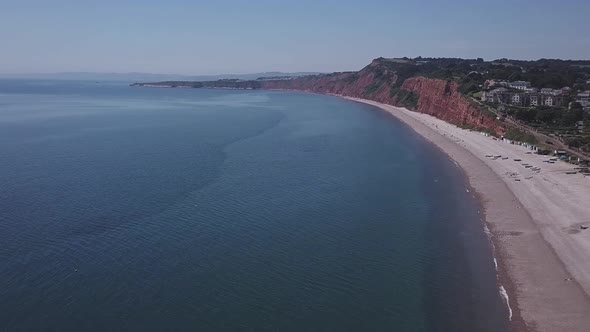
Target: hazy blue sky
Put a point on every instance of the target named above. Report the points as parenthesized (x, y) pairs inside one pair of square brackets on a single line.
[(212, 37)]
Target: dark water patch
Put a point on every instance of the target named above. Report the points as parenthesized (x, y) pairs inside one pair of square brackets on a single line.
[(462, 271), (230, 210)]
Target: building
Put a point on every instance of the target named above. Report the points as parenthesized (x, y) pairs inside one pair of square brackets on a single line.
[(550, 91), (548, 100), (487, 97), (496, 96), (550, 97), (555, 92), (527, 96), (519, 99), (504, 96), (583, 98), (494, 83), (546, 97), (520, 85)]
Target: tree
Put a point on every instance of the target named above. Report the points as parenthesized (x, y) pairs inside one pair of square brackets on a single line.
[(576, 106), (546, 115), (570, 117), (525, 114), (573, 142), (466, 88), (516, 76)]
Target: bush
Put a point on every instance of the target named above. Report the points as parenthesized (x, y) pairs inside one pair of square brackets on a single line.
[(407, 99), (372, 88), (516, 134), (469, 87)]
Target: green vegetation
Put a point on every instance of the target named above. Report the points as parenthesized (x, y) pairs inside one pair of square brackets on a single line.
[(470, 83), (559, 122), (372, 88), (581, 142), (471, 73), (488, 112), (548, 116), (407, 99), (518, 135), (466, 126), (393, 90), (489, 131), (442, 68), (351, 78), (546, 73), (468, 88)]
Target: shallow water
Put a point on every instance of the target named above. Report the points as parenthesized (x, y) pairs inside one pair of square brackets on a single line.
[(146, 209)]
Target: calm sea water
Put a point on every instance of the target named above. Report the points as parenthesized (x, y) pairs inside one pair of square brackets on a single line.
[(138, 209)]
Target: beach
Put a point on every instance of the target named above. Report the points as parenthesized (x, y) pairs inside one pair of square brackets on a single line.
[(534, 211)]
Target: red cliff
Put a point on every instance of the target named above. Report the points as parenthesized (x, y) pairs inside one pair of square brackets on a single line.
[(397, 82), (379, 82), (441, 99)]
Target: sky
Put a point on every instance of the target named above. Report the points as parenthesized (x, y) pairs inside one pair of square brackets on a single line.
[(222, 37)]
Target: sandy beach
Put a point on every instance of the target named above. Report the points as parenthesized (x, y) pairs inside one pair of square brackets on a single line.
[(534, 218)]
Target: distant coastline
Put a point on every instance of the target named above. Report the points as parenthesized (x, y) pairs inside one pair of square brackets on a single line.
[(145, 77)]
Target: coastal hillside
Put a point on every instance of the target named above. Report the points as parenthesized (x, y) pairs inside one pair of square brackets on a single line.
[(400, 83), (397, 82), (541, 102)]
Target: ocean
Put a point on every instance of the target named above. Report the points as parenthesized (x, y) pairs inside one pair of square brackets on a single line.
[(154, 209)]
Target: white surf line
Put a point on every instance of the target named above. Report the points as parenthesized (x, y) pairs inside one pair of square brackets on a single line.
[(501, 289), (507, 301)]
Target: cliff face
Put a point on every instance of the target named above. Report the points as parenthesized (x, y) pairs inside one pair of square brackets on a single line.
[(441, 99), (389, 81), (372, 82), (377, 82)]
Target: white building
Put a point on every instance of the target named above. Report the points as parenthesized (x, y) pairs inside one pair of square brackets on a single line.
[(583, 98), (520, 85), (518, 98)]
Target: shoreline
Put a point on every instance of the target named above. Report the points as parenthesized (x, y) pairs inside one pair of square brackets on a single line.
[(541, 267)]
